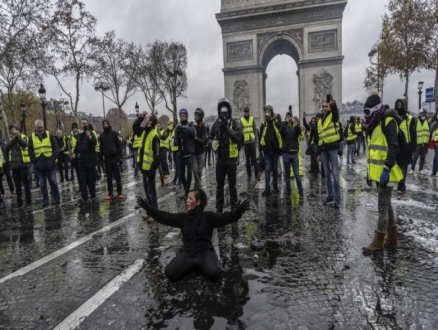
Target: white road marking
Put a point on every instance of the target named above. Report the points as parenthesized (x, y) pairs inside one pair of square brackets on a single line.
[(73, 320), (71, 246)]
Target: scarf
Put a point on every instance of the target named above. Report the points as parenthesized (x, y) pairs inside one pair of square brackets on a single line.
[(196, 216), (373, 119)]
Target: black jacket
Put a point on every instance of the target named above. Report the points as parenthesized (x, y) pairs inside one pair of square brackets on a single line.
[(198, 241), (272, 145), (110, 145), (312, 129), (14, 147), (200, 139), (224, 133), (85, 150), (138, 130), (42, 162), (290, 135)]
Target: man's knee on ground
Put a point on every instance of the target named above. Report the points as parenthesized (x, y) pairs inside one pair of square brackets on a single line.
[(171, 273)]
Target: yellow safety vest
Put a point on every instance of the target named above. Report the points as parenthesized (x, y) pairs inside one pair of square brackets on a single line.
[(164, 143), (65, 146), (24, 152), (351, 136), (148, 153), (358, 128), (97, 148), (422, 132), (137, 141), (74, 141), (232, 146), (174, 148), (42, 147), (377, 154), (436, 135), (280, 140), (327, 132), (248, 128), (404, 126)]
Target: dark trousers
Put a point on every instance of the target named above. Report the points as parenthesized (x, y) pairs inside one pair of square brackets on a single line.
[(75, 167), (420, 151), (163, 160), (401, 186), (358, 142), (7, 173), (185, 164), (314, 165), (149, 188), (250, 155), (208, 152), (226, 167), (63, 166), (206, 262), (21, 177), (87, 181), (113, 169)]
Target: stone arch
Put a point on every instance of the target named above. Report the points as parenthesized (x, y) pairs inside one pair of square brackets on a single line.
[(278, 44)]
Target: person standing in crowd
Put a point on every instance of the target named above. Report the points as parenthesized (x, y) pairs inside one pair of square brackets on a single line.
[(176, 177), (19, 159), (111, 154), (351, 136), (73, 142), (434, 131), (43, 150), (6, 171), (100, 167), (225, 138), (148, 156), (62, 155), (328, 145), (85, 150), (271, 144), (198, 158), (422, 141), (197, 230), (208, 149), (381, 126), (250, 143), (408, 127), (358, 128), (312, 130), (185, 140), (290, 131), (163, 134), (136, 142)]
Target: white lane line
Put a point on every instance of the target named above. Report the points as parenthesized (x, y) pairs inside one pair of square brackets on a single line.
[(71, 246), (74, 319)]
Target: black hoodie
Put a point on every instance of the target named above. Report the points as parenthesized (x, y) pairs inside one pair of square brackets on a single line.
[(110, 145), (412, 126)]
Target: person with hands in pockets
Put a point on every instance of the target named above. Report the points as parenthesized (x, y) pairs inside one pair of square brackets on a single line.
[(197, 229)]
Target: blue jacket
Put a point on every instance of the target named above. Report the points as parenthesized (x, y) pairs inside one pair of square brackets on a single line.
[(184, 138)]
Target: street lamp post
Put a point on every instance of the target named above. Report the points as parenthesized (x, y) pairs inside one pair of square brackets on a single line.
[(101, 86), (23, 117), (136, 109), (42, 92), (420, 88)]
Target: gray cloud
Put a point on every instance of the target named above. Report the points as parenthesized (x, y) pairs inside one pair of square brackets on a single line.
[(194, 23)]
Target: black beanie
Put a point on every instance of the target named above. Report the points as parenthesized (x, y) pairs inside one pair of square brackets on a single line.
[(372, 100)]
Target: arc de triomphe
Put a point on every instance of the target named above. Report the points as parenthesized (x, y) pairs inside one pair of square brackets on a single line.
[(255, 31)]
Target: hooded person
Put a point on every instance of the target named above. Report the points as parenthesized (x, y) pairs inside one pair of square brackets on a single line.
[(198, 158), (351, 136), (381, 126), (422, 129), (408, 127), (225, 137), (111, 154)]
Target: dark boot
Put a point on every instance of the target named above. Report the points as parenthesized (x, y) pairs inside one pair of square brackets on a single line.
[(391, 239), (377, 244)]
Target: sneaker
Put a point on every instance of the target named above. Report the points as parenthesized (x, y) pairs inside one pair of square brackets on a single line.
[(336, 205), (266, 192), (248, 179), (411, 171), (13, 193), (399, 194), (44, 206), (109, 197), (121, 196), (20, 204), (329, 201), (167, 176), (421, 172), (276, 190), (58, 202), (98, 182), (433, 174)]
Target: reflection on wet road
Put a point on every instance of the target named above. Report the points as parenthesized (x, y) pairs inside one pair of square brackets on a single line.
[(102, 267)]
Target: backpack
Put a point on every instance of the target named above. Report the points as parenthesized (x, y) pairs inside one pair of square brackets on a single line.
[(404, 156)]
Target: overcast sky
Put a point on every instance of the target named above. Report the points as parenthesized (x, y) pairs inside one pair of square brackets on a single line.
[(193, 22)]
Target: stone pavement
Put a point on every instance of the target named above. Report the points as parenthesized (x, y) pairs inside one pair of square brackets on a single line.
[(107, 264)]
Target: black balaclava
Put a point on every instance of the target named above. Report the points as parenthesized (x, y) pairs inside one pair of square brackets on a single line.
[(400, 107)]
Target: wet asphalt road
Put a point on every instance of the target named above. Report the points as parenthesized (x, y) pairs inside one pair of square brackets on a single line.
[(102, 267)]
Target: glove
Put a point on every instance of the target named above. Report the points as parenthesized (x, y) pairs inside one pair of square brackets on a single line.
[(224, 122), (243, 207), (384, 178), (143, 203), (215, 144)]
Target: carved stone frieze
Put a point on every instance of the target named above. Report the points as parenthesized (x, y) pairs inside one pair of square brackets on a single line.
[(240, 97), (323, 85), (296, 34), (323, 41), (240, 50)]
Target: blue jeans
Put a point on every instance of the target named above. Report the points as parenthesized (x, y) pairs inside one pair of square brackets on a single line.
[(271, 163), (176, 178), (330, 163), (50, 175), (351, 148), (149, 189), (135, 161), (435, 160), (288, 161)]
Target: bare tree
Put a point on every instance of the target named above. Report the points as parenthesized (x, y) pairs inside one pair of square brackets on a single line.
[(21, 23), (146, 82), (168, 70), (71, 37), (376, 73), (116, 66), (404, 35), (432, 48)]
